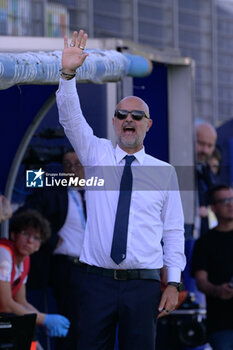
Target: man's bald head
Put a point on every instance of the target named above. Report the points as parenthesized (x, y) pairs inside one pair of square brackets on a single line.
[(206, 137), (130, 132), (133, 102)]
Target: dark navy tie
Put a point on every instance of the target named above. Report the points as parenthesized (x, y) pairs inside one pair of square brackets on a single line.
[(82, 193), (119, 242)]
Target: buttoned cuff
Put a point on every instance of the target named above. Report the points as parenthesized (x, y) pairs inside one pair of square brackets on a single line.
[(173, 274)]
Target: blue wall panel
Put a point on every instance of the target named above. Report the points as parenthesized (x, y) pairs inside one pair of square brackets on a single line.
[(153, 90), (20, 104)]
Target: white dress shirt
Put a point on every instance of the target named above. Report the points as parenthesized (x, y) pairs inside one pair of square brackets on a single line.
[(155, 210), (72, 232)]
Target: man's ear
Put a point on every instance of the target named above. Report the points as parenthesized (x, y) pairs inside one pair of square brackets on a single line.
[(150, 122)]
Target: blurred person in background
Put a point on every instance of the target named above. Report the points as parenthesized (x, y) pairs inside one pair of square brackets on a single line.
[(28, 230), (206, 137), (57, 263), (212, 268)]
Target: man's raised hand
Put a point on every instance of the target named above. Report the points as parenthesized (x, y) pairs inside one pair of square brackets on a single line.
[(73, 55)]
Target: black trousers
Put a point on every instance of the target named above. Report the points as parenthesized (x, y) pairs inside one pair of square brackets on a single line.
[(67, 281), (132, 304)]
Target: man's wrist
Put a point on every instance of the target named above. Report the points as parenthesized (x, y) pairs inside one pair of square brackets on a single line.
[(67, 75), (177, 285)]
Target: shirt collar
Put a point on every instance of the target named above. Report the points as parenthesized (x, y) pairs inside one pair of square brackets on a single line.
[(120, 154)]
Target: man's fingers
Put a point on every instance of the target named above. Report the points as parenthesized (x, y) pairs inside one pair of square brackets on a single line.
[(163, 313), (162, 304), (73, 56), (83, 41), (79, 38), (73, 40), (65, 41)]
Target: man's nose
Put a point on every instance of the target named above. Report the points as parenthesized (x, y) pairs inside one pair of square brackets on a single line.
[(129, 116), (205, 150)]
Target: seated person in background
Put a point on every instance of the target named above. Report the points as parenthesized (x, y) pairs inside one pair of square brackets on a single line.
[(5, 208), (59, 267), (212, 267), (27, 231)]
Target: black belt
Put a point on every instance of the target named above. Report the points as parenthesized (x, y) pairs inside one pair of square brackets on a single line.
[(74, 260), (123, 275)]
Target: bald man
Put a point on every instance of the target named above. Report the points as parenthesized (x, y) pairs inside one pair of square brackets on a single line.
[(206, 138), (126, 222)]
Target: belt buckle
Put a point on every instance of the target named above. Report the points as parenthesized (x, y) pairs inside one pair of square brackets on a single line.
[(115, 276)]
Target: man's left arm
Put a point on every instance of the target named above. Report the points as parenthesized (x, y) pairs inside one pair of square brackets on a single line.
[(173, 239)]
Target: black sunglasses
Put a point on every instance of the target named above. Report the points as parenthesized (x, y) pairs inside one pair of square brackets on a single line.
[(136, 115)]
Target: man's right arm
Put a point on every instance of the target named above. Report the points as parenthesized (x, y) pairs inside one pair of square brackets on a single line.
[(75, 126), (70, 114)]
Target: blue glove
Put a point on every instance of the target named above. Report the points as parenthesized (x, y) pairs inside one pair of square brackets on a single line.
[(57, 325)]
